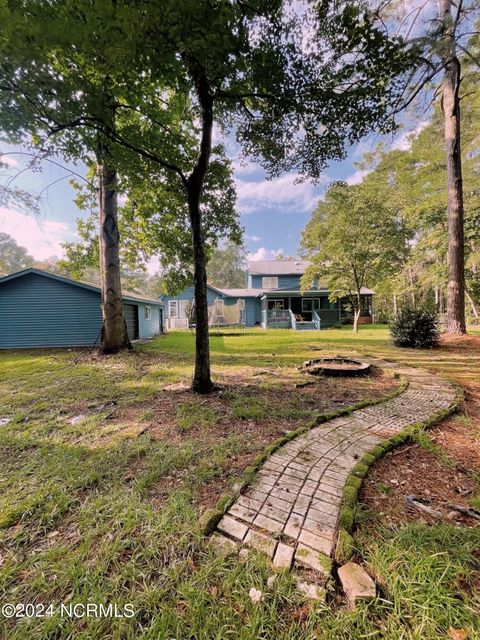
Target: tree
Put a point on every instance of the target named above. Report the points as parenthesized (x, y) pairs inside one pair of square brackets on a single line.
[(54, 94), (295, 97), (353, 240), (227, 266), (436, 53), (451, 111), (248, 66), (12, 257), (154, 223), (413, 182)]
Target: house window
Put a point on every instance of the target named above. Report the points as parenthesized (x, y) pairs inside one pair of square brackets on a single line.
[(276, 304), (173, 309), (307, 304), (270, 282), (148, 313)]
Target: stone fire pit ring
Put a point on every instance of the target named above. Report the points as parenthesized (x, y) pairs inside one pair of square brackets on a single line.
[(336, 367)]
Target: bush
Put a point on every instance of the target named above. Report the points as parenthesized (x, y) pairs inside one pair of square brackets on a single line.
[(415, 328)]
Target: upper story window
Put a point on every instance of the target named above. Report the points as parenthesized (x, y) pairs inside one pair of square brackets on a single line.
[(270, 282), (173, 309), (148, 313)]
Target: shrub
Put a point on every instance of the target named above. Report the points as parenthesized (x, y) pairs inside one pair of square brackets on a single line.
[(415, 328)]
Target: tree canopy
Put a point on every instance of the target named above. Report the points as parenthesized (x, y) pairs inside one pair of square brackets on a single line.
[(227, 266), (12, 256), (354, 239)]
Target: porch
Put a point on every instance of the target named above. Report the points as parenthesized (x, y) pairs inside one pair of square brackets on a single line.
[(282, 310)]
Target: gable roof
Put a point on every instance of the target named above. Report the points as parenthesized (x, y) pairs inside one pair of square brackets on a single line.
[(126, 295), (277, 267)]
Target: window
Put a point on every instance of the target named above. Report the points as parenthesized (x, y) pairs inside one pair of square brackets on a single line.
[(307, 304), (270, 282), (276, 304), (148, 313), (173, 309)]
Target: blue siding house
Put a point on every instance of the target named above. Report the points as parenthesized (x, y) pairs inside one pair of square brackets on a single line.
[(41, 309), (272, 298)]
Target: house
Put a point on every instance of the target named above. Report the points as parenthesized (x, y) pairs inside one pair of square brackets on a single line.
[(271, 298), (41, 309)]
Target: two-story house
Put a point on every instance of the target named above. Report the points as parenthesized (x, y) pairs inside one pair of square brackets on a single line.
[(271, 299)]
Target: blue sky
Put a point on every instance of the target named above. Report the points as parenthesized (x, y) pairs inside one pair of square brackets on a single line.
[(273, 213)]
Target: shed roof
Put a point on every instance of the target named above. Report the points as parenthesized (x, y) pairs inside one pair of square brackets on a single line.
[(127, 295), (277, 267)]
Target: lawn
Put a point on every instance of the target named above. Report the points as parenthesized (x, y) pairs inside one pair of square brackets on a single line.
[(107, 465)]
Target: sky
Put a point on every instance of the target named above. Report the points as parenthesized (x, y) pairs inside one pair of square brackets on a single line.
[(272, 212)]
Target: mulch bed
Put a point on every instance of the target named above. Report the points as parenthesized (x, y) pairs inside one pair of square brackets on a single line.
[(413, 471)]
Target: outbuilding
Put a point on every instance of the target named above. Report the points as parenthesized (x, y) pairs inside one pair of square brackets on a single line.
[(42, 309)]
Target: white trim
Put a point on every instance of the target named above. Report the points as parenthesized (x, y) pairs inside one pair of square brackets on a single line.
[(148, 312), (173, 304)]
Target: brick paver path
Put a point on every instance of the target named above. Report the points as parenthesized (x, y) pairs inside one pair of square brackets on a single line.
[(291, 510)]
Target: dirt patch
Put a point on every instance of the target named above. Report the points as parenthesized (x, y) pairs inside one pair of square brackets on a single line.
[(251, 407)]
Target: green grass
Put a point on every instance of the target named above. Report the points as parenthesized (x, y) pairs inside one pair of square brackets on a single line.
[(99, 511)]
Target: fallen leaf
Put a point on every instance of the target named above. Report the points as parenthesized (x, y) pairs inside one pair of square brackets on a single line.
[(457, 634)]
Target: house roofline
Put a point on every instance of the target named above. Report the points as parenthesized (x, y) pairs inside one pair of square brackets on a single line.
[(82, 285)]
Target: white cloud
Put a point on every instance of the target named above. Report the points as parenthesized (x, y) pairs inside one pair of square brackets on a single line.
[(42, 238), (242, 167), (357, 176), (8, 160), (282, 193), (405, 139), (265, 254), (253, 238)]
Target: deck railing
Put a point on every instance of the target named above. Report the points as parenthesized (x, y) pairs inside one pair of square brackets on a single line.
[(278, 316), (329, 316), (316, 320)]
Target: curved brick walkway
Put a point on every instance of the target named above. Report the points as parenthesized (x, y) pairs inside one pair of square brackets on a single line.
[(291, 510)]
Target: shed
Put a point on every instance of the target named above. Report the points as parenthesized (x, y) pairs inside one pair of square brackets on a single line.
[(42, 309)]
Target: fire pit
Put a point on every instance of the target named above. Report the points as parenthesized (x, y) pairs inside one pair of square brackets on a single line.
[(336, 367)]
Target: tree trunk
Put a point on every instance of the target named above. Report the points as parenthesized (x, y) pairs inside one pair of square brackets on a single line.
[(451, 111), (356, 316), (412, 287), (202, 382), (395, 308), (357, 309), (114, 331)]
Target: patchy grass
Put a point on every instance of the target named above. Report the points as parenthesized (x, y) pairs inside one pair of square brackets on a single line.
[(108, 463)]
